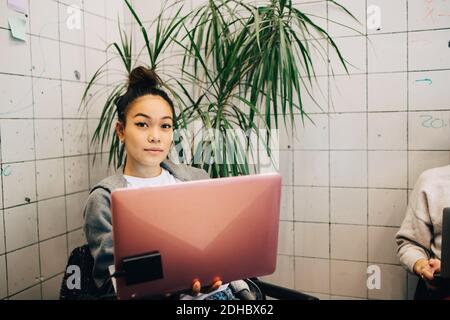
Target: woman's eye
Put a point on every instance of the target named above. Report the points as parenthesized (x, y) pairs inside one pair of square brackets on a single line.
[(141, 124), (167, 126)]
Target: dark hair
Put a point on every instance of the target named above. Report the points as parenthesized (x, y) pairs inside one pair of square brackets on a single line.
[(141, 81)]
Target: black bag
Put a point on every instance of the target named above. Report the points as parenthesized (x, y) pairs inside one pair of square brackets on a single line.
[(81, 264)]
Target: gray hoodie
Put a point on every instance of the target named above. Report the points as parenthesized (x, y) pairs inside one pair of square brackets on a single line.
[(420, 234), (97, 214)]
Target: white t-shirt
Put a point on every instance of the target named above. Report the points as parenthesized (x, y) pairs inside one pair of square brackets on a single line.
[(166, 178)]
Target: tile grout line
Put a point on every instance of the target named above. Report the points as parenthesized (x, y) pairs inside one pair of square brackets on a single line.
[(62, 124), (292, 205), (65, 233), (330, 271), (3, 214), (85, 103), (44, 37), (34, 285), (407, 120), (71, 156), (319, 76), (367, 145), (35, 162)]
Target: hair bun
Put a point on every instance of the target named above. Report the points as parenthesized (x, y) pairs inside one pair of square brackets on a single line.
[(143, 77)]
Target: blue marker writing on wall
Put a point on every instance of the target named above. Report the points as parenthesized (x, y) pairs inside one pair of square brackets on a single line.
[(427, 80), (434, 123), (5, 171)]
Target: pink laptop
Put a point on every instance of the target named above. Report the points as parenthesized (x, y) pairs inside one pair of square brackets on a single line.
[(165, 236)]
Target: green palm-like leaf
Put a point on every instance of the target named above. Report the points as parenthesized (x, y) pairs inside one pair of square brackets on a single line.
[(243, 67)]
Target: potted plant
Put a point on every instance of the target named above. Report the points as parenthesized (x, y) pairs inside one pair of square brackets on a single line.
[(244, 69)]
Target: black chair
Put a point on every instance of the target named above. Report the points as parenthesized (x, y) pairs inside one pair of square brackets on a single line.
[(82, 258)]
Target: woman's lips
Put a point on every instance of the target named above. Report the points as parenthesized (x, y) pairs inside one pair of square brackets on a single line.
[(154, 150)]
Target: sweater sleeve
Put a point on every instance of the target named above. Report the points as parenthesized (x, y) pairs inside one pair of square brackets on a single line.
[(416, 232), (98, 231)]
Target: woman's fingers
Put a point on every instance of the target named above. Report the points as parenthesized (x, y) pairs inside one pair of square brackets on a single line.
[(196, 287), (420, 265), (427, 274), (435, 265), (427, 268), (216, 285)]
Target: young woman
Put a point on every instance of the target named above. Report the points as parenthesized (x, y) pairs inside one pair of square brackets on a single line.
[(146, 118)]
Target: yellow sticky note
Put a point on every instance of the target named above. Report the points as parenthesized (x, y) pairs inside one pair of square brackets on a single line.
[(18, 27)]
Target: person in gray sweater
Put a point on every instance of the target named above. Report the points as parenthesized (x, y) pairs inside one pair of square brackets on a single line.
[(420, 235), (145, 125)]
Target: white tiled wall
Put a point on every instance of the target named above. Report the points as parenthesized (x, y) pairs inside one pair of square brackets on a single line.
[(344, 211), (51, 287), (379, 84), (3, 279), (424, 96), (44, 139), (387, 122), (22, 269), (393, 283), (310, 168), (345, 178), (348, 242), (2, 234), (311, 204), (53, 256), (22, 178), (52, 217), (312, 275), (21, 227), (387, 52), (49, 178), (307, 233), (348, 94), (393, 17), (33, 293), (340, 138), (312, 135), (348, 168), (348, 278)]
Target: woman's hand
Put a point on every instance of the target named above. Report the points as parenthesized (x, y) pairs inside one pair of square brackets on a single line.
[(435, 265), (197, 287), (427, 268)]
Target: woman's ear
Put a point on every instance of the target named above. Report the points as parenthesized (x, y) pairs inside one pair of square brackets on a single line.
[(119, 131)]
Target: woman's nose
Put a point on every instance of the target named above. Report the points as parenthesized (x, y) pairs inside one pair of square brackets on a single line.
[(154, 136)]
